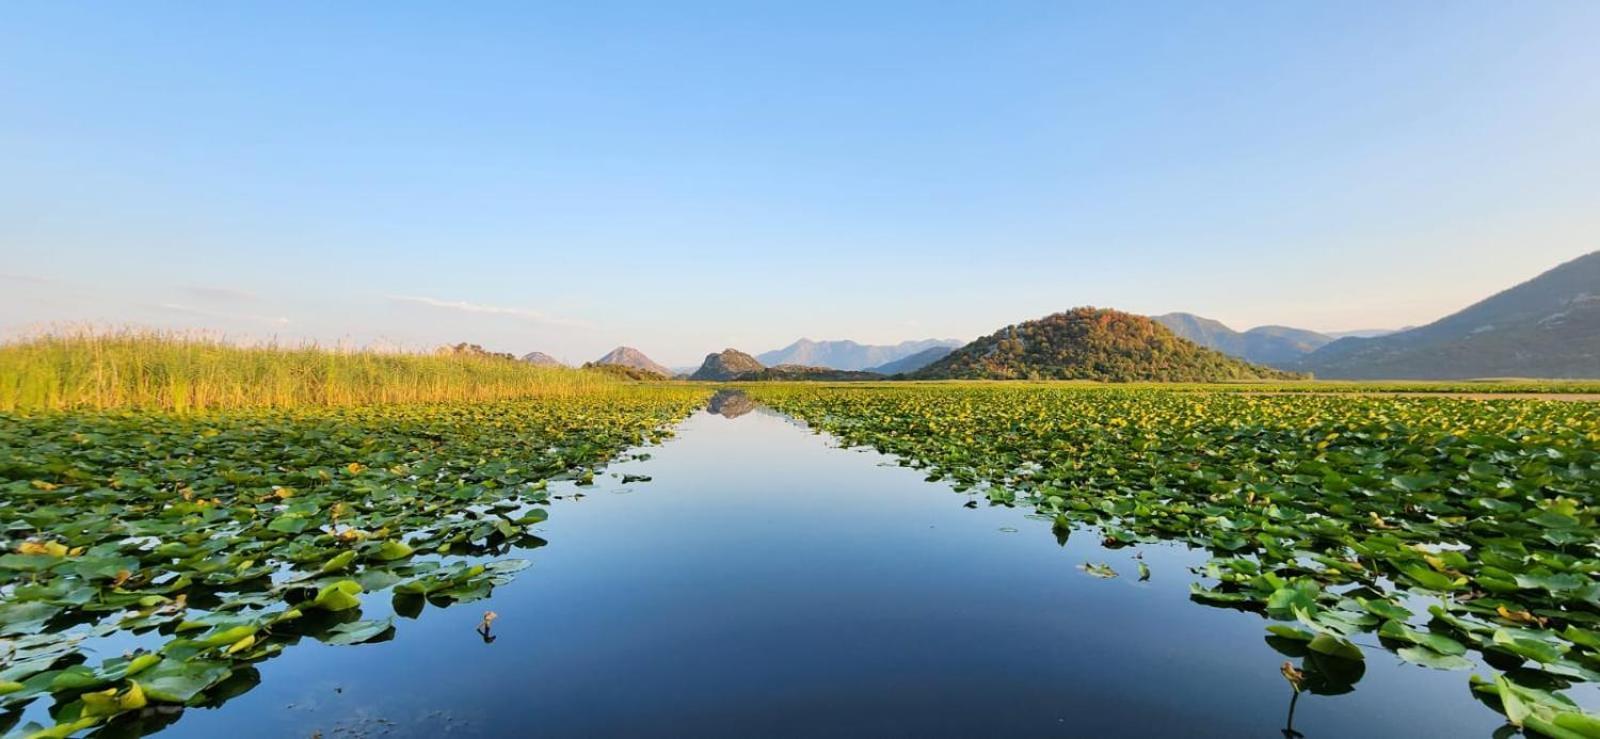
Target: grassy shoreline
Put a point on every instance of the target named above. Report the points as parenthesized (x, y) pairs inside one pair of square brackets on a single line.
[(153, 371)]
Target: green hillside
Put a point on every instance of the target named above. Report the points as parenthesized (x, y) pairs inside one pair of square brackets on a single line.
[(1546, 327), (1092, 344)]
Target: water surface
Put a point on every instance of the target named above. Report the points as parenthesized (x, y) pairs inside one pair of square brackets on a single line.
[(765, 582)]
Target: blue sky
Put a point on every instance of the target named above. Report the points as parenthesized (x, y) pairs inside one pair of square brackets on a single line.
[(682, 177)]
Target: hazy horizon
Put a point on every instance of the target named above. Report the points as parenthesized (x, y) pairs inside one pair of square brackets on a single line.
[(685, 179)]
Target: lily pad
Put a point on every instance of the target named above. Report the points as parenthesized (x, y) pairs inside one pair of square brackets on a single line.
[(357, 632)]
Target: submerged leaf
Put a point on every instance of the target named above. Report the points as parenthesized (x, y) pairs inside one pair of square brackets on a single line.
[(1429, 658), (356, 632)]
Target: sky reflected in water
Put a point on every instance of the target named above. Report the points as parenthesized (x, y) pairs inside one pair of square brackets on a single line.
[(765, 582)]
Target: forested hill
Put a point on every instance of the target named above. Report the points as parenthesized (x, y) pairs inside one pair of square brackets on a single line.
[(1092, 344)]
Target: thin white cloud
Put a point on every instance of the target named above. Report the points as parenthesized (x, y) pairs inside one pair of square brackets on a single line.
[(218, 293), (462, 306), (30, 279), (193, 311)]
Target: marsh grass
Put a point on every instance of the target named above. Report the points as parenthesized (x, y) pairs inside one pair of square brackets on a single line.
[(181, 372)]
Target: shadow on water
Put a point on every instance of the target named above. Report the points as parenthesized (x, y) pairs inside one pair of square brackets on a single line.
[(761, 580)]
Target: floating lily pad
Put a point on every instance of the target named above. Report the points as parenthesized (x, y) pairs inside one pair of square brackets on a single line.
[(357, 632)]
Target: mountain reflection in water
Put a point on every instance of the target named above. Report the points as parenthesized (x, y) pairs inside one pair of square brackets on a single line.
[(730, 403)]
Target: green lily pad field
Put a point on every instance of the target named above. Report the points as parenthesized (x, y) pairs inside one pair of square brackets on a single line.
[(152, 558), (1431, 526), (200, 544)]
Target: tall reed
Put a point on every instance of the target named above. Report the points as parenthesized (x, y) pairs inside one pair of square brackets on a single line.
[(174, 372)]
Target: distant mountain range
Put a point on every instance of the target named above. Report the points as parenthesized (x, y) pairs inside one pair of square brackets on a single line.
[(848, 355), (1277, 346), (1546, 327), (914, 362), (627, 356), (1092, 344), (1365, 333)]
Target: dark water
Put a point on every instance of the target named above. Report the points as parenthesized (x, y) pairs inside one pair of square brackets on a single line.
[(767, 583)]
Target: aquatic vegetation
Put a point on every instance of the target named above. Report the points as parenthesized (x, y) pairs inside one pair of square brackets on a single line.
[(149, 560), (215, 540), (1452, 387), (171, 372), (1442, 526), (1099, 569), (1281, 387)]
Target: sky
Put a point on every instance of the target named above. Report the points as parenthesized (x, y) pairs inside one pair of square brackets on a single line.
[(683, 177)]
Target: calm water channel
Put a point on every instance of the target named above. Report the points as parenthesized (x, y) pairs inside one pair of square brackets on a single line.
[(766, 582)]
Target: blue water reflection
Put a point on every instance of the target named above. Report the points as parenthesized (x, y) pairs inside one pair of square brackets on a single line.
[(764, 582)]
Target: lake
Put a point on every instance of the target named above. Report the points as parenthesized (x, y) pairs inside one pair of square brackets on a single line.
[(764, 581)]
